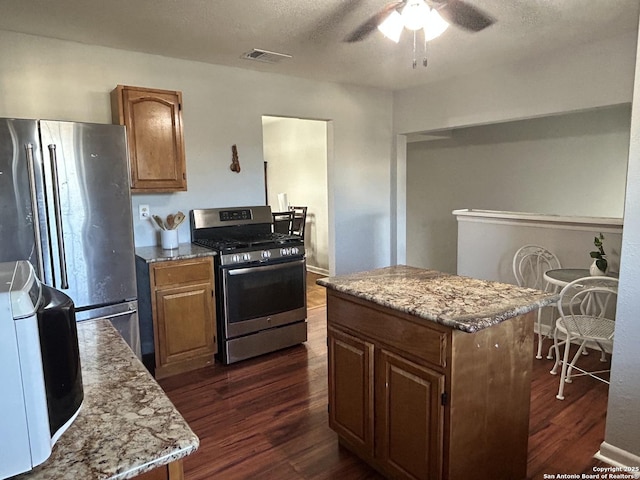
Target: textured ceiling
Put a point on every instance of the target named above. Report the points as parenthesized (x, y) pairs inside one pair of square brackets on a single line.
[(220, 31)]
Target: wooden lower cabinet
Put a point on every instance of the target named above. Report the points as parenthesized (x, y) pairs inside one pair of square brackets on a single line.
[(171, 471), (409, 417), (184, 316), (351, 389), (400, 426), (418, 400)]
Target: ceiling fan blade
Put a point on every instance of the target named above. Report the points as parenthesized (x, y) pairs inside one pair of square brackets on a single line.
[(364, 30), (464, 15)]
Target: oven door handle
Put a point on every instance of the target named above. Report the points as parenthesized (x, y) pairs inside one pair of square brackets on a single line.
[(252, 269)]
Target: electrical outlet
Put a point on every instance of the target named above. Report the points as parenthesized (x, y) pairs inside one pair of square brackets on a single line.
[(144, 212)]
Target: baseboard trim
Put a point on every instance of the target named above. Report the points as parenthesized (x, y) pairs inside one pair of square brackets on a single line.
[(627, 462), (318, 270)]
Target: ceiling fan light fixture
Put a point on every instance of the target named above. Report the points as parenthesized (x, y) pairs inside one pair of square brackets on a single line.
[(415, 14), (434, 26), (392, 26)]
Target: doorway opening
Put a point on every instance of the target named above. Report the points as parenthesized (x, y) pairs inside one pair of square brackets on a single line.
[(295, 172)]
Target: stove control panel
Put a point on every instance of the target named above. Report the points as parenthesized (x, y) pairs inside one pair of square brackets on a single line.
[(261, 256), (235, 215)]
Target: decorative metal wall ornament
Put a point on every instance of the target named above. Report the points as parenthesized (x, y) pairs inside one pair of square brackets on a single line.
[(235, 162)]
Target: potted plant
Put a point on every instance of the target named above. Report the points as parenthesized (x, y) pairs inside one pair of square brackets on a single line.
[(600, 266)]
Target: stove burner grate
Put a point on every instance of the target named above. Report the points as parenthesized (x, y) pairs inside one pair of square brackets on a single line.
[(236, 242)]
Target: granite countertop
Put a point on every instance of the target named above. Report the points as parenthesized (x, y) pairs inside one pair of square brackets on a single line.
[(183, 252), (126, 425), (462, 303)]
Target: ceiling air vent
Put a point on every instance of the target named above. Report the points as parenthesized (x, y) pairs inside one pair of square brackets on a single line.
[(265, 56)]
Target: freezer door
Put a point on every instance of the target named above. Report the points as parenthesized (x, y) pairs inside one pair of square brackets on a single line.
[(124, 317), (20, 178), (89, 211)]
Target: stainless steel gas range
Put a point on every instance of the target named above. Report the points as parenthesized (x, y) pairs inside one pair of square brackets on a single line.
[(260, 276)]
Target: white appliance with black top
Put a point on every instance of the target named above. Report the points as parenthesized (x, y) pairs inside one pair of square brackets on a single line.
[(40, 370), (260, 279)]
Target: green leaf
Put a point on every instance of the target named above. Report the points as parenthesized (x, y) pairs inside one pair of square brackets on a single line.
[(595, 254), (601, 264)]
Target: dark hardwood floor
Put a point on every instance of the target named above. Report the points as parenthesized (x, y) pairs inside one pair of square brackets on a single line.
[(266, 418)]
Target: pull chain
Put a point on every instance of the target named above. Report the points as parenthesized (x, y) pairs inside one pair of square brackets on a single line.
[(415, 63), (424, 60)]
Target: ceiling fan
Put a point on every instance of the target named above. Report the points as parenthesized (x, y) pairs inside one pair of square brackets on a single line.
[(419, 14)]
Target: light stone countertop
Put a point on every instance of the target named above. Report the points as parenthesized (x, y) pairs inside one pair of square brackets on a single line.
[(462, 303), (183, 252), (126, 425)]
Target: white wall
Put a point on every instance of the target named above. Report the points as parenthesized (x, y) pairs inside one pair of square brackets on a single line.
[(488, 240), (589, 76), (46, 78), (573, 164), (622, 441), (296, 153)]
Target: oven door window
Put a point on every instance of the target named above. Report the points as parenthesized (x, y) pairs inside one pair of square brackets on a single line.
[(256, 292)]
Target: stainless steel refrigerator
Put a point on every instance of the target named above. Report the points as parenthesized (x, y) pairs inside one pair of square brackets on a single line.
[(65, 205)]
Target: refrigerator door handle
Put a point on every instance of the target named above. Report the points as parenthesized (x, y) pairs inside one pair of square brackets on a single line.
[(120, 314), (31, 169), (64, 282)]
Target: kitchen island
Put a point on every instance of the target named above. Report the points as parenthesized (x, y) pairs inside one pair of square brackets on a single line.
[(126, 428), (430, 373)]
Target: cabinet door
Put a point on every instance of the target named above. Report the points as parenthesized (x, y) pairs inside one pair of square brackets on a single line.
[(185, 328), (409, 417), (171, 471), (154, 134), (350, 363)]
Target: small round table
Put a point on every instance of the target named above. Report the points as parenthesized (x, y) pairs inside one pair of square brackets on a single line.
[(564, 276)]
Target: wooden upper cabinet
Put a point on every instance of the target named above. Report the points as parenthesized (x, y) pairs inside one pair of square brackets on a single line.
[(153, 119)]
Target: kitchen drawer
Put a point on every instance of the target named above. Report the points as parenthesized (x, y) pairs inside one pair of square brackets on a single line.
[(419, 339), (182, 272)]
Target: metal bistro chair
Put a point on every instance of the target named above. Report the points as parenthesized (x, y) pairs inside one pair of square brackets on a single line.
[(586, 309), (529, 264), (283, 222), (299, 221)]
